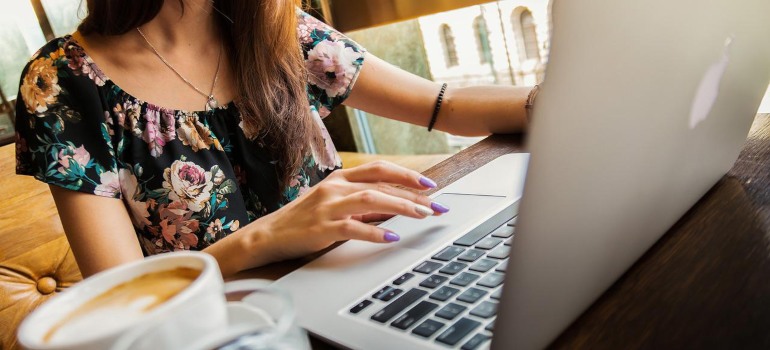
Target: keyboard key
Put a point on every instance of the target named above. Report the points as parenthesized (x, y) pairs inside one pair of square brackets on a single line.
[(504, 231), (457, 331), (475, 341), (464, 279), (483, 265), (503, 266), (491, 326), (471, 255), (387, 293), (433, 281), (428, 267), (492, 280), (448, 253), (381, 291), (486, 227), (415, 314), (450, 311), (453, 268), (427, 328), (403, 278), (513, 221), (488, 243), (472, 237), (497, 294), (471, 295), (390, 294), (444, 293), (398, 305), (500, 252), (486, 309), (508, 241), (360, 306)]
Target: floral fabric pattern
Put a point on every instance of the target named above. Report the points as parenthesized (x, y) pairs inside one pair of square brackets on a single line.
[(187, 179)]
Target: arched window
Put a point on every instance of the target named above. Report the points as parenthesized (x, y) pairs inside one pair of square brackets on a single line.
[(448, 40), (524, 24), (529, 33), (482, 39)]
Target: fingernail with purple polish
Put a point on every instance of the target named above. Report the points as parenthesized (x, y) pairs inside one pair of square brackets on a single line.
[(438, 207), (391, 237), (427, 182)]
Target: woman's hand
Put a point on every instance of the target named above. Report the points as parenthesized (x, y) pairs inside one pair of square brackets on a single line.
[(334, 209)]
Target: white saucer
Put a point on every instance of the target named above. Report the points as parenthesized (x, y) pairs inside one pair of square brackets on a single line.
[(242, 319)]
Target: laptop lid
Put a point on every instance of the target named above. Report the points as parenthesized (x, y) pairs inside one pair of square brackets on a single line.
[(644, 107)]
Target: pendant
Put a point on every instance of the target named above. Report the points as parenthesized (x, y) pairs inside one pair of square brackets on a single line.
[(211, 103)]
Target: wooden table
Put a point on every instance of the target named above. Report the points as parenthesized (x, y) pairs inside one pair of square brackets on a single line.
[(704, 284)]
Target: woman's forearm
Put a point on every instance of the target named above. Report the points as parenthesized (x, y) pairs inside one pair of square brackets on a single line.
[(483, 110), (467, 111)]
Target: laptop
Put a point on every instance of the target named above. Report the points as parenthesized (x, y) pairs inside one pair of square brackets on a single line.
[(645, 105)]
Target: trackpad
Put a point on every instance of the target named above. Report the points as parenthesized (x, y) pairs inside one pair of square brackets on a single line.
[(465, 210)]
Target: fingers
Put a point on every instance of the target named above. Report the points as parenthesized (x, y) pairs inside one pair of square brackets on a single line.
[(423, 200), (393, 191), (373, 201), (372, 218), (353, 229), (340, 188), (382, 171)]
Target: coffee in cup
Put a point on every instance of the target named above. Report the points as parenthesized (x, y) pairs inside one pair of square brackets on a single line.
[(123, 304)]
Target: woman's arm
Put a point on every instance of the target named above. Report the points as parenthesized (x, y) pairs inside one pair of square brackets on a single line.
[(388, 91), (102, 236), (330, 211), (98, 229)]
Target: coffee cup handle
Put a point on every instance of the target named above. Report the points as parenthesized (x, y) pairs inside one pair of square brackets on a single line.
[(247, 285), (251, 286), (250, 312)]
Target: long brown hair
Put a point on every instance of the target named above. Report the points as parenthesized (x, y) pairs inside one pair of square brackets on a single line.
[(264, 52)]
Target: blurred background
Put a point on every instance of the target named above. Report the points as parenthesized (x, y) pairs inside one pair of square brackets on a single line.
[(461, 42)]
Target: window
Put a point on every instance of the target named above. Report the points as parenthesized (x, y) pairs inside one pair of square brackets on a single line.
[(21, 37), (524, 24), (22, 34), (64, 15), (482, 39), (448, 40)]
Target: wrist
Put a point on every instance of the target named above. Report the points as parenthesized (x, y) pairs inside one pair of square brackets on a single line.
[(530, 102), (246, 248), (256, 242)]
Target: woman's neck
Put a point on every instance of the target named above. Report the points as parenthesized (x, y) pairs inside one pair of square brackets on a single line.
[(190, 24), (189, 40)]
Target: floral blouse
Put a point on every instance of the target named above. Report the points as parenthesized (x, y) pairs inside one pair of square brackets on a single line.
[(186, 178)]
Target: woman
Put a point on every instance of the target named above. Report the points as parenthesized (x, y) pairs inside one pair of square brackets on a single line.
[(129, 123)]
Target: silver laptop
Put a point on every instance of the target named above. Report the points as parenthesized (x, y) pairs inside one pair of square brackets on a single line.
[(644, 107)]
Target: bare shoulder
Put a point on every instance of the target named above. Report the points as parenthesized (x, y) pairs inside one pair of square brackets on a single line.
[(116, 55)]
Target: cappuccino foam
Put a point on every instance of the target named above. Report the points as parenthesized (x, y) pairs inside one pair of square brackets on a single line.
[(122, 304)]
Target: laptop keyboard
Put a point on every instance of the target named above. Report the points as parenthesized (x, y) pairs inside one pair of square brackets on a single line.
[(451, 298)]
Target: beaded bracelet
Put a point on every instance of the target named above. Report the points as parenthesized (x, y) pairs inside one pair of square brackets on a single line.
[(437, 107), (531, 101)]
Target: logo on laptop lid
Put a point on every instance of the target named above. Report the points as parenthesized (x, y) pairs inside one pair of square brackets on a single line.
[(708, 90)]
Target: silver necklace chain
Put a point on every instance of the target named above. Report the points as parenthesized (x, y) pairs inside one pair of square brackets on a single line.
[(211, 102)]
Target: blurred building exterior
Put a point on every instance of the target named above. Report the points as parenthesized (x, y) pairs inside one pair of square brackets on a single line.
[(502, 43)]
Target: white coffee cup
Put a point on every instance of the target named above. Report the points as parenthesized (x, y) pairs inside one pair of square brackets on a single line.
[(197, 310)]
